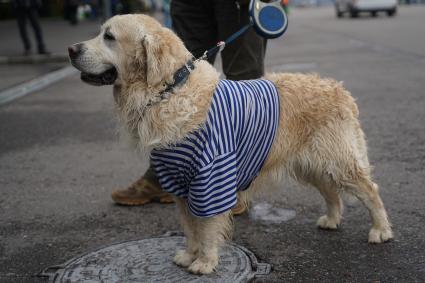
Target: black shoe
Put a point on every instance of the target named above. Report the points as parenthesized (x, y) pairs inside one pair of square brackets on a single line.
[(27, 52), (43, 51)]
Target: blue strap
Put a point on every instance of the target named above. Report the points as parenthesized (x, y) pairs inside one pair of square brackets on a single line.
[(220, 45), (238, 33)]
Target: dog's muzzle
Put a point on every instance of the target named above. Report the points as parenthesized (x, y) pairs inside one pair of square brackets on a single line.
[(106, 78)]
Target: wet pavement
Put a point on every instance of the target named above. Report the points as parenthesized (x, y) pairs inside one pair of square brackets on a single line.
[(60, 158)]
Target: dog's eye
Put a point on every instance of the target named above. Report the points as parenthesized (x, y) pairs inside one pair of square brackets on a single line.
[(108, 36)]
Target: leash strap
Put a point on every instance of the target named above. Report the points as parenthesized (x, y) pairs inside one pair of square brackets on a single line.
[(220, 45)]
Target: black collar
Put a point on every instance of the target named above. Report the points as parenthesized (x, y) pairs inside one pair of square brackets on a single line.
[(180, 77)]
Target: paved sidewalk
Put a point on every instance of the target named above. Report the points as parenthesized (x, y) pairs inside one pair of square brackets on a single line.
[(58, 35)]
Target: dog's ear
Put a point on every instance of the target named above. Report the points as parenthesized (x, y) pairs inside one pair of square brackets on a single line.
[(164, 54), (154, 59)]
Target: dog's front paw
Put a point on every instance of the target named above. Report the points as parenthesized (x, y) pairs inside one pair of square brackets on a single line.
[(203, 266), (183, 258), (324, 222), (377, 236)]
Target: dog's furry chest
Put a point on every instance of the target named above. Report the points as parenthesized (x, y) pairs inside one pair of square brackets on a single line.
[(227, 153)]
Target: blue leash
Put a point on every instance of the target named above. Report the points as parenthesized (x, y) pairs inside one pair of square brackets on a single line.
[(220, 45)]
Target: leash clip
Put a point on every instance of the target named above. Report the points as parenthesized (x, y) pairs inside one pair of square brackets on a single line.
[(221, 46), (188, 68), (203, 57)]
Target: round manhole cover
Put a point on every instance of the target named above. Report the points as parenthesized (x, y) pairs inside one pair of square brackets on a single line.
[(150, 260)]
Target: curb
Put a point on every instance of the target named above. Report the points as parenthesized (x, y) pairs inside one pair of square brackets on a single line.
[(34, 59), (36, 84)]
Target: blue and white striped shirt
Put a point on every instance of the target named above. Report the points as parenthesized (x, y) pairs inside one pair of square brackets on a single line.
[(227, 153)]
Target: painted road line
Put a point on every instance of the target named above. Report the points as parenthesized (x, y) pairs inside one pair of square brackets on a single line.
[(34, 59), (36, 84)]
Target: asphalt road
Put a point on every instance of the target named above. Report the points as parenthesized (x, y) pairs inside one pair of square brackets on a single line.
[(60, 158)]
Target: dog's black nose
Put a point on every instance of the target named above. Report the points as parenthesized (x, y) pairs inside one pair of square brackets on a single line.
[(75, 50)]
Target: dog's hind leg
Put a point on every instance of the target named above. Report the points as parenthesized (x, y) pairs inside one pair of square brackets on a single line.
[(343, 162), (211, 232), (367, 191), (360, 184), (186, 257), (349, 168), (350, 175), (330, 192), (309, 168)]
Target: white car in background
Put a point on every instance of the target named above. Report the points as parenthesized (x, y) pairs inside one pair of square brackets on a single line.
[(354, 7)]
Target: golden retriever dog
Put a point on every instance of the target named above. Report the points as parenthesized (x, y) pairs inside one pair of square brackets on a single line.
[(318, 140)]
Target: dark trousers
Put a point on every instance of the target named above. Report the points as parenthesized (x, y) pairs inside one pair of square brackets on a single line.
[(71, 13), (31, 14), (202, 23)]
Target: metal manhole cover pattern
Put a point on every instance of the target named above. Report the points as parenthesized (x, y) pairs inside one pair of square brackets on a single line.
[(150, 260)]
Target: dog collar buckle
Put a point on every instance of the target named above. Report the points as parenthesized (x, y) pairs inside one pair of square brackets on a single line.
[(180, 77)]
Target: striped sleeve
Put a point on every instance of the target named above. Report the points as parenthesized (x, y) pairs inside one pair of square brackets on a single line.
[(213, 190)]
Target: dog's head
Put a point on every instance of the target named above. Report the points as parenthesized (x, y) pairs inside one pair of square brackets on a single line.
[(131, 48)]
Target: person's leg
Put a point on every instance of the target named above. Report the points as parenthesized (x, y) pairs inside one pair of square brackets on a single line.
[(22, 22), (243, 58), (145, 190), (35, 23), (193, 21), (73, 14)]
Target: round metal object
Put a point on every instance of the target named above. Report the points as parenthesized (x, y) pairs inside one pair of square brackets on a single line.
[(269, 19), (151, 260)]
